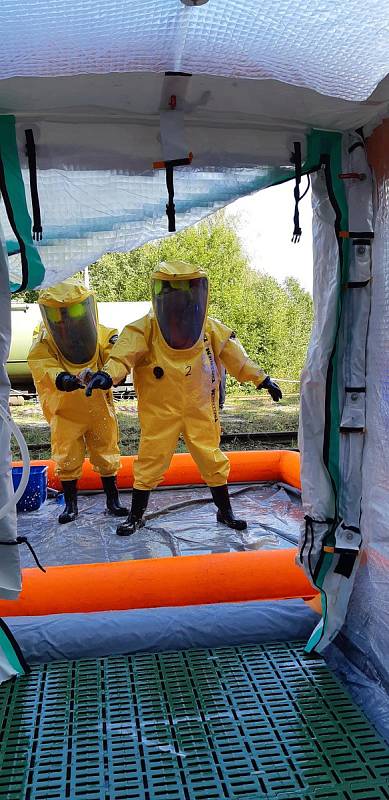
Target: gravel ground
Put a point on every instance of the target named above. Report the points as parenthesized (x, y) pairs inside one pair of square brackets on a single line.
[(241, 414)]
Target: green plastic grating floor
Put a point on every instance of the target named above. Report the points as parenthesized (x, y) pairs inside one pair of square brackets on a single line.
[(242, 723)]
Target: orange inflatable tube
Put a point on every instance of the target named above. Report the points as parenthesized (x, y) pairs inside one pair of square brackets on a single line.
[(246, 467), (188, 580), (152, 583)]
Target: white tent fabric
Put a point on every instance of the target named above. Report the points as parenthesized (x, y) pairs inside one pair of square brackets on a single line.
[(87, 213), (10, 581), (97, 138), (333, 416), (339, 49), (251, 79), (367, 626)]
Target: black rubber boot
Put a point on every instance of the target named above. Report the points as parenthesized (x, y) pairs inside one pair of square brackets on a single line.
[(225, 515), (112, 495), (134, 520), (70, 511)]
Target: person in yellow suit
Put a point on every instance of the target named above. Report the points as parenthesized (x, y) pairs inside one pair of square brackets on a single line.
[(70, 338), (177, 353)]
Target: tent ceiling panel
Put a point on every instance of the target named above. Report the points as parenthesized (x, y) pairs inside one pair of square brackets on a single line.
[(339, 49), (88, 80)]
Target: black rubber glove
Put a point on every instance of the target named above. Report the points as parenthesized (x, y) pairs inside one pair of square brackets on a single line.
[(100, 380), (272, 387), (66, 382)]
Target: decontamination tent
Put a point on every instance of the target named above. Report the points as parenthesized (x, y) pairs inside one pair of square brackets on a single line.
[(120, 121)]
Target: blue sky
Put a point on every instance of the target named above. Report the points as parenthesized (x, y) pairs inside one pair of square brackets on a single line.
[(264, 222)]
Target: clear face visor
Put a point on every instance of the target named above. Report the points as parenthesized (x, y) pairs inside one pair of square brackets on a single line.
[(74, 329), (180, 308)]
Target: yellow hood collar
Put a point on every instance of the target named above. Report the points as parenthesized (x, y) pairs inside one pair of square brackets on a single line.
[(64, 294), (177, 270)]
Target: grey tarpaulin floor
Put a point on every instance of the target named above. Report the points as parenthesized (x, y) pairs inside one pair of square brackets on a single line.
[(273, 515)]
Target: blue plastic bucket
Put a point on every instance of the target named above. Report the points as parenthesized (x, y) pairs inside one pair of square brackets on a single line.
[(35, 492)]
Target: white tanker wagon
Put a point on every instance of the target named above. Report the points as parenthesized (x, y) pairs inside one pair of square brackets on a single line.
[(25, 317)]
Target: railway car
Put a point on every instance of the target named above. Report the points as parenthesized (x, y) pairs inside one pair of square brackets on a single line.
[(25, 318)]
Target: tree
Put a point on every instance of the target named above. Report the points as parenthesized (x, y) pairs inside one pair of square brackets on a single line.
[(29, 296), (272, 321)]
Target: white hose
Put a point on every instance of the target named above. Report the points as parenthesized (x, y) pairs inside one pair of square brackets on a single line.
[(5, 416)]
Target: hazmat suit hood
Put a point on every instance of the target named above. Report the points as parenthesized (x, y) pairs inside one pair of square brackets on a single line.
[(69, 313), (180, 302)]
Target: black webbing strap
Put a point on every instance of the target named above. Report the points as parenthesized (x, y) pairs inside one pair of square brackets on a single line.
[(296, 160), (31, 155), (170, 207), (296, 219)]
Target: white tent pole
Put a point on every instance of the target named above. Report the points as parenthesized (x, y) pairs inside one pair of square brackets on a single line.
[(86, 277), (10, 578)]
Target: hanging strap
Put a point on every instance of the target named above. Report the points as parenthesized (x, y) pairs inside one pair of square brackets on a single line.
[(169, 171), (296, 160), (31, 155), (296, 219), (24, 540), (170, 206)]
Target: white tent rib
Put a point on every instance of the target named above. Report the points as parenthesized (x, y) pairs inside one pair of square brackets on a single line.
[(214, 102)]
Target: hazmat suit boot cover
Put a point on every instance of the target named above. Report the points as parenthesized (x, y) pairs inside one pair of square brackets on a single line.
[(70, 332), (225, 514), (112, 496), (135, 520), (70, 511)]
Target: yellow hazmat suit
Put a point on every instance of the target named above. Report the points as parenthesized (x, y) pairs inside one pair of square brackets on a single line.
[(177, 385), (77, 423)]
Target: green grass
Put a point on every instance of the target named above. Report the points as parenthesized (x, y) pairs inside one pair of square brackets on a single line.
[(241, 414)]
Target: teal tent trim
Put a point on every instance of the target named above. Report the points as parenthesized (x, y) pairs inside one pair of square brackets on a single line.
[(12, 651), (14, 198)]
